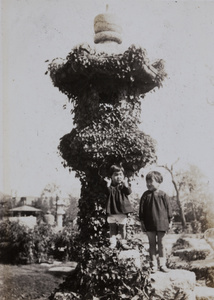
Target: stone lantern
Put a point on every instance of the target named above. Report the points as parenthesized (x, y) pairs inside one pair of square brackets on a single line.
[(105, 85), (59, 212), (107, 33)]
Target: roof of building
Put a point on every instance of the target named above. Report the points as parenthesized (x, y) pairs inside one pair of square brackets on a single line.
[(25, 208)]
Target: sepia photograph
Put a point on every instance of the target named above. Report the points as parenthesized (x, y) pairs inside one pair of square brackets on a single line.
[(107, 150)]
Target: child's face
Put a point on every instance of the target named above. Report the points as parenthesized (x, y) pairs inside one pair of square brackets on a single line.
[(117, 177), (152, 185)]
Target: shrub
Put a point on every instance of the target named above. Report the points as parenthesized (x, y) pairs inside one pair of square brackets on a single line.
[(180, 244), (15, 242), (62, 244), (42, 237), (20, 244)]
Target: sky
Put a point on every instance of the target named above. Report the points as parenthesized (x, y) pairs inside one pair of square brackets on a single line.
[(180, 115)]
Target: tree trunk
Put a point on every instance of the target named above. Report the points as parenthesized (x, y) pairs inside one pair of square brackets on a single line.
[(183, 219)]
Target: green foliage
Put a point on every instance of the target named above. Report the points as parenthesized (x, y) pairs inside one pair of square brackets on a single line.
[(196, 198), (92, 213), (20, 244), (102, 274), (111, 138), (105, 91), (64, 244), (6, 204), (85, 70), (14, 242), (42, 239)]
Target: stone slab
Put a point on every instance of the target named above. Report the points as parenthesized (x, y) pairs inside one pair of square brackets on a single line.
[(204, 293), (177, 284)]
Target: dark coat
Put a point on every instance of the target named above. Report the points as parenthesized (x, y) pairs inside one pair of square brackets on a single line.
[(155, 210), (118, 201)]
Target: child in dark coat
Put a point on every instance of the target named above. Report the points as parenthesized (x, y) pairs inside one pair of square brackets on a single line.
[(155, 214), (118, 205)]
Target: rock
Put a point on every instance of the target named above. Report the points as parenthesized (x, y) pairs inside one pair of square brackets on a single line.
[(209, 237), (191, 254), (210, 278), (63, 269), (198, 243), (204, 293), (54, 263), (177, 284), (203, 269), (190, 248)]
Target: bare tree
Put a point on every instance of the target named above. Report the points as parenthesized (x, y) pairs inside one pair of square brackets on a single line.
[(175, 184)]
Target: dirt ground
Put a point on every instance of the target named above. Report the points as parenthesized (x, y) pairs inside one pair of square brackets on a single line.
[(26, 282)]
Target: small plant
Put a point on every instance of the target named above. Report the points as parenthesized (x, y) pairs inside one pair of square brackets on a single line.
[(181, 244)]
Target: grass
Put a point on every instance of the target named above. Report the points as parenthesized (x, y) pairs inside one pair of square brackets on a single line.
[(28, 282)]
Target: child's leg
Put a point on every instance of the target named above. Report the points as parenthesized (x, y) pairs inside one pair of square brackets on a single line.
[(161, 248), (152, 249), (122, 231), (122, 220), (152, 244), (162, 252), (113, 231)]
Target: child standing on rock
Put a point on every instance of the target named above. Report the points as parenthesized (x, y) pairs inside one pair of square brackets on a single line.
[(155, 215), (118, 205)]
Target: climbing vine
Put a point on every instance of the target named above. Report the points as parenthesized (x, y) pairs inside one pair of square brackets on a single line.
[(105, 91), (86, 70)]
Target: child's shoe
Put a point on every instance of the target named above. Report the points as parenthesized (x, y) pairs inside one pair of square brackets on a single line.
[(124, 245), (154, 267), (163, 267), (113, 242)]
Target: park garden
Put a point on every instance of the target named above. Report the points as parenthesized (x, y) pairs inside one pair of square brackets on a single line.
[(105, 88)]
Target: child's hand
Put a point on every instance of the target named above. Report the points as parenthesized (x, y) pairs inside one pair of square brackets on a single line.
[(108, 181), (125, 182)]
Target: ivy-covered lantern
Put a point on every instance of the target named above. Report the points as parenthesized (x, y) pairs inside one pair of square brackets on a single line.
[(105, 85)]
